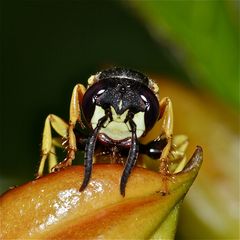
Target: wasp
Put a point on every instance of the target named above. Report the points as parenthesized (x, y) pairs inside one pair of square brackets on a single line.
[(119, 107)]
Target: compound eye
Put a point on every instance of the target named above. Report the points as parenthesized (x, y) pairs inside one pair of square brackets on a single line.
[(152, 107), (89, 99)]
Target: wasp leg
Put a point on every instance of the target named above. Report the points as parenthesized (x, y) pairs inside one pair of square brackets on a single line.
[(89, 151), (47, 141), (178, 156), (52, 158), (75, 116), (166, 115), (167, 126), (132, 158)]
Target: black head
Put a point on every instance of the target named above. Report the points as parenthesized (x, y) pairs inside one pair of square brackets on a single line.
[(122, 90), (121, 107)]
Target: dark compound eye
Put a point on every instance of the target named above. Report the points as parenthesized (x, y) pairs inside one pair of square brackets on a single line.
[(152, 107), (89, 99)]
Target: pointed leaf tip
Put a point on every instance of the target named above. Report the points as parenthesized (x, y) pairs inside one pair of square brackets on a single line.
[(195, 161)]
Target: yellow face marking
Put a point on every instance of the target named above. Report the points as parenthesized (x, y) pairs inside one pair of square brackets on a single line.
[(118, 118), (117, 129)]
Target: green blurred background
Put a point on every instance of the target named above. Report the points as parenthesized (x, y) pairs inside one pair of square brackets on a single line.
[(49, 46)]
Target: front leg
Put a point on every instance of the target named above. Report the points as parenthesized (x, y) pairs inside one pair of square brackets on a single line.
[(75, 116)]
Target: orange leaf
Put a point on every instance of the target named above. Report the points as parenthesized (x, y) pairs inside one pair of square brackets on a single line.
[(52, 206)]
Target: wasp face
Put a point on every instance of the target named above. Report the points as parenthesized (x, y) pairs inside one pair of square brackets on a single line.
[(122, 96)]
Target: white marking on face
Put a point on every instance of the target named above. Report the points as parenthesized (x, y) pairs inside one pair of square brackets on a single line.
[(118, 129), (118, 118), (139, 121), (120, 104), (98, 113)]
